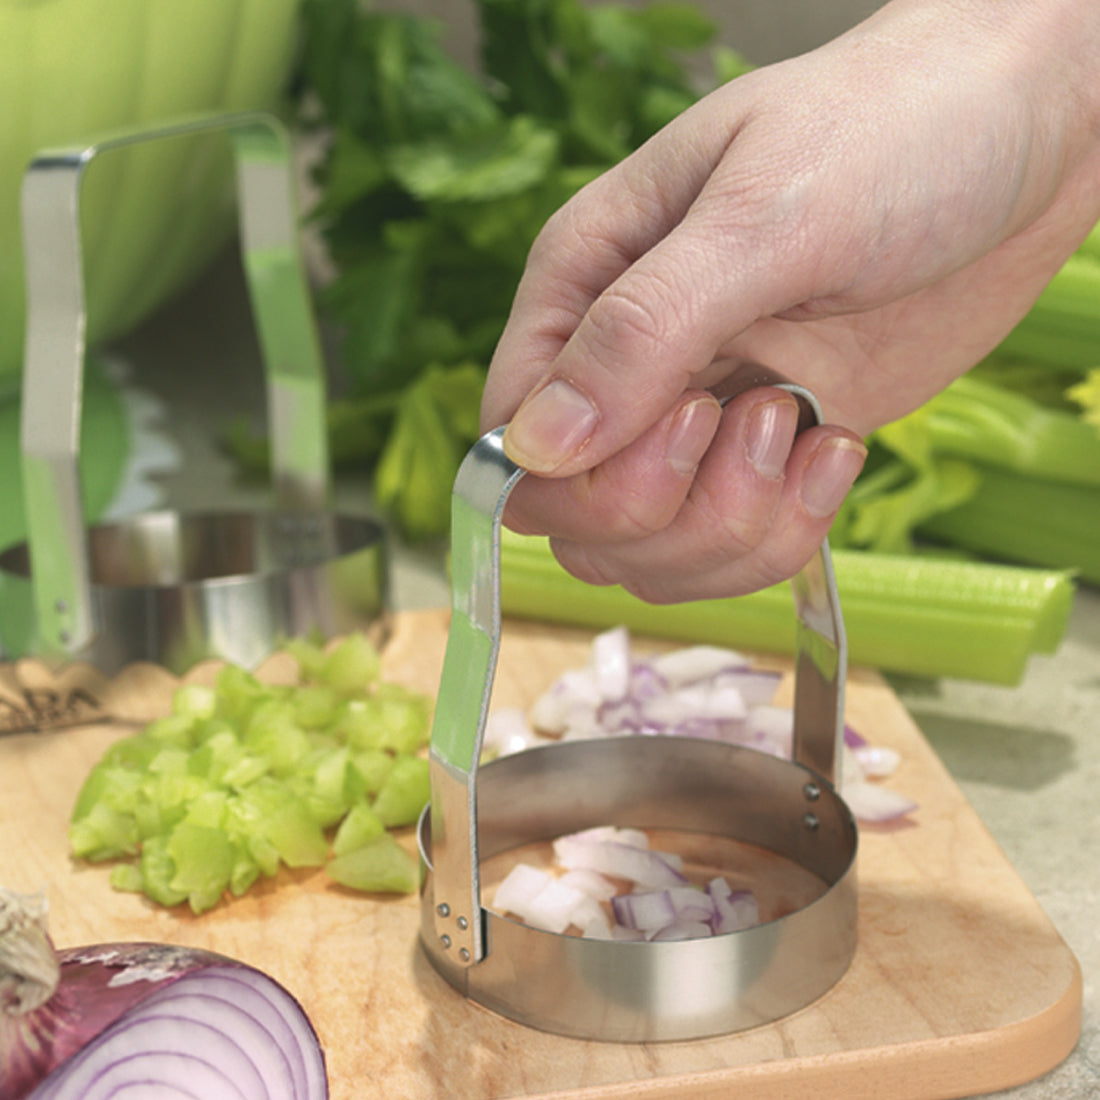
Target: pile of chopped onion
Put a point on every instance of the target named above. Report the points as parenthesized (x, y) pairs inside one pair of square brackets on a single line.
[(613, 886), (696, 691)]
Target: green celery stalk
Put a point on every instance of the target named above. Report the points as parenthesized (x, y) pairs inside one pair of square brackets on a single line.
[(1027, 519), (1062, 328), (983, 421), (921, 616)]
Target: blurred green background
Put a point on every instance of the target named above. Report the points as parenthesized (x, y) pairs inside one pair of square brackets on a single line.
[(154, 216)]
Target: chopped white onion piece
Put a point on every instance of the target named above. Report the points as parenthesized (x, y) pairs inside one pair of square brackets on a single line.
[(618, 860), (590, 883), (611, 662), (877, 761), (519, 888), (570, 701), (636, 838), (691, 664), (873, 803), (734, 910), (682, 930), (507, 731)]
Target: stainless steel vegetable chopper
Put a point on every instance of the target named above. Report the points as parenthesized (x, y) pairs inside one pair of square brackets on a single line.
[(168, 587), (629, 991)]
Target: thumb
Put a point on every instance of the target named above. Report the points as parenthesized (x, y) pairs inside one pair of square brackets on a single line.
[(652, 334)]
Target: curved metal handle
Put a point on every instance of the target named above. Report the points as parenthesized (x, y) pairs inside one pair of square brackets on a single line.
[(55, 347), (485, 480)]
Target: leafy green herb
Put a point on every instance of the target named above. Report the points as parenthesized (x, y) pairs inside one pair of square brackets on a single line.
[(437, 181)]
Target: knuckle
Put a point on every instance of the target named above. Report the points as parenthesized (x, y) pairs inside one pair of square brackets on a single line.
[(635, 314)]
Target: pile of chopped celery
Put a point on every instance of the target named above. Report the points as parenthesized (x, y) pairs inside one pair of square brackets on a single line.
[(243, 777)]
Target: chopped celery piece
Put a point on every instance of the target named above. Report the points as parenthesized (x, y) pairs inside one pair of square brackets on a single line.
[(204, 859), (245, 872), (405, 792), (242, 778), (314, 706), (104, 833), (379, 866), (360, 825), (195, 701), (273, 733), (286, 822), (208, 809), (310, 656), (126, 877), (371, 766), (173, 729), (352, 666), (158, 869), (237, 692), (392, 718), (264, 853), (330, 778)]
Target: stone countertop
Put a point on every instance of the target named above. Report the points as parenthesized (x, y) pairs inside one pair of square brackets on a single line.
[(1027, 757)]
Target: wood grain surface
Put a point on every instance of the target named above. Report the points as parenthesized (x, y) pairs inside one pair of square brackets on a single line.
[(960, 984)]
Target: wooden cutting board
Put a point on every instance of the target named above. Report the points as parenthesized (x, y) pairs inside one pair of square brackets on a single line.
[(960, 984)]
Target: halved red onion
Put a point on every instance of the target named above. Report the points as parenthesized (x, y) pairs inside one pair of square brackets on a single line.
[(150, 1020)]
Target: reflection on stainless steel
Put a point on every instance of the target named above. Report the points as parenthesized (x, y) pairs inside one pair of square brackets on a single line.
[(611, 990), (164, 587)]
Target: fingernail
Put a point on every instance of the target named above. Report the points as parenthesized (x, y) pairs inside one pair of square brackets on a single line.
[(769, 435), (550, 427), (829, 475), (691, 433)]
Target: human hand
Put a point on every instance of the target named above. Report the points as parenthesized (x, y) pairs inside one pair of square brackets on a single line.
[(869, 220)]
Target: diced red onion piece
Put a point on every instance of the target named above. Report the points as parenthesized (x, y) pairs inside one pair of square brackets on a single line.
[(570, 701), (507, 731), (651, 869), (691, 904), (590, 883), (877, 761), (756, 686), (872, 803), (553, 908), (612, 663), (636, 838), (691, 664), (519, 888), (694, 701), (682, 930), (646, 912), (853, 738), (734, 910)]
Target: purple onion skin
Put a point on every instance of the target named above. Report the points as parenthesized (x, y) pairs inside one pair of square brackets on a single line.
[(86, 1003)]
